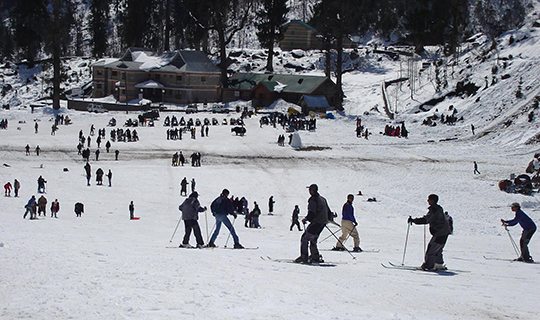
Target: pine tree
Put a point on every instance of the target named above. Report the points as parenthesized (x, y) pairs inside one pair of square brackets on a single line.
[(98, 26), (28, 20), (271, 17)]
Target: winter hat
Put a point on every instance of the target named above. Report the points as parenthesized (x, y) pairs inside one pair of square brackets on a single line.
[(313, 187), (225, 192), (515, 205)]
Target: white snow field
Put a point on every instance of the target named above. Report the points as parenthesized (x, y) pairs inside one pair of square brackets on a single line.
[(104, 266)]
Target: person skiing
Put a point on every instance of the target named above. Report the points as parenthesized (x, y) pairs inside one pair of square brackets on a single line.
[(16, 187), (30, 208), (183, 187), (97, 155), (476, 168), (348, 226), (294, 219), (38, 150), (41, 184), (108, 146), (271, 205), (529, 228), (190, 209), (131, 210), (221, 207), (193, 183), (42, 202), (7, 189), (55, 207), (27, 149), (116, 153), (318, 211), (439, 229), (36, 127)]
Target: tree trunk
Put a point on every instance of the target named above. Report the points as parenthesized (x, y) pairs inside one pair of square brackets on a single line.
[(56, 55), (339, 69), (270, 60)]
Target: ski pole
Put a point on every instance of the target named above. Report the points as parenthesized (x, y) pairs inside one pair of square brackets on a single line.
[(512, 241), (425, 226), (175, 229), (406, 239), (230, 233), (354, 258), (206, 219), (208, 235)]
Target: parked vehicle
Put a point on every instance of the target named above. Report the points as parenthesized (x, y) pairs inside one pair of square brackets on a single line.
[(219, 108), (96, 107)]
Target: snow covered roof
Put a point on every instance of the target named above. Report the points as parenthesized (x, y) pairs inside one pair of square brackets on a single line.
[(136, 59), (149, 84), (285, 82)]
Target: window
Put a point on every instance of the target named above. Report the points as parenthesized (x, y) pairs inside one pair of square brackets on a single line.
[(179, 78), (237, 94), (114, 73), (98, 86), (99, 72), (123, 76), (203, 79)]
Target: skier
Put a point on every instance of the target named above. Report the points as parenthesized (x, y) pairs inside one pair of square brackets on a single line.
[(79, 209), (27, 149), (190, 209), (318, 217), (30, 208), (439, 229), (183, 185), (348, 226), (109, 176), (255, 213), (36, 126), (193, 183), (476, 168), (88, 170), (99, 177), (131, 210), (41, 184), (16, 187), (116, 153), (221, 207), (295, 221), (7, 189), (529, 228), (97, 155), (42, 202), (55, 207), (108, 146), (271, 205), (38, 149)]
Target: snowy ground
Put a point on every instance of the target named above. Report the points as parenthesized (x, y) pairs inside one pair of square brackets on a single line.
[(104, 266)]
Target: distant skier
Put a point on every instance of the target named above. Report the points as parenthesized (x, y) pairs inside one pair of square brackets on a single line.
[(183, 187), (7, 189), (221, 207), (16, 187), (41, 184), (27, 149), (30, 208), (190, 209), (271, 205), (108, 146), (88, 170), (256, 213), (529, 228), (131, 210), (36, 127), (318, 211), (42, 203), (109, 176), (55, 207), (97, 155), (116, 153), (348, 226), (294, 219), (79, 209), (439, 229), (38, 150), (99, 176), (476, 168), (193, 183)]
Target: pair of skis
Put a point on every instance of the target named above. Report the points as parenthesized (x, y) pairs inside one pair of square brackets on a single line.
[(391, 265), (312, 264)]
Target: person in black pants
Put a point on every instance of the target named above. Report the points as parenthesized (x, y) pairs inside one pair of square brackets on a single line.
[(529, 228), (190, 214), (295, 221)]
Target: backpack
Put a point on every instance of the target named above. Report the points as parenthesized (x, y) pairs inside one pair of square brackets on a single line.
[(450, 221), (216, 206)]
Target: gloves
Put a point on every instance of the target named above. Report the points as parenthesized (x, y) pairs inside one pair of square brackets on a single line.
[(410, 220), (504, 223), (234, 215), (205, 208), (355, 223)]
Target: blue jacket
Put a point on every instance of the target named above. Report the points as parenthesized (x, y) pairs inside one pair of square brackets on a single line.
[(524, 221), (348, 212)]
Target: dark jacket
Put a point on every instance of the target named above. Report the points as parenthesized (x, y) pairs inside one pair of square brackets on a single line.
[(438, 224), (222, 205), (317, 210), (524, 221), (190, 209)]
